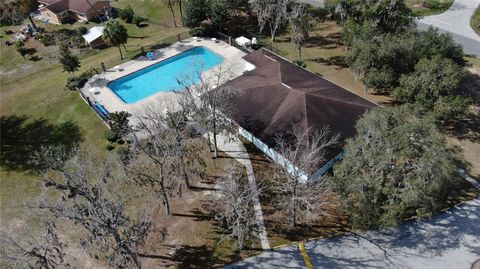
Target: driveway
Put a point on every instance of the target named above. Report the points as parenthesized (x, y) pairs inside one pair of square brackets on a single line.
[(456, 21)]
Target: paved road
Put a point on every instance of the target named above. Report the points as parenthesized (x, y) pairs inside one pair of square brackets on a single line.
[(450, 240), (456, 21)]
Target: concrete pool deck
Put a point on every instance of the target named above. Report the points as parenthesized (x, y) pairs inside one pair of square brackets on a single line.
[(106, 97)]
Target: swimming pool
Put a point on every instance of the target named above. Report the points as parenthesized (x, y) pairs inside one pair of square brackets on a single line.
[(162, 76)]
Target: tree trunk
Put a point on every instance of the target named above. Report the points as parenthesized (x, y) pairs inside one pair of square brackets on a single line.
[(121, 54), (170, 4), (215, 136), (124, 47), (299, 52), (272, 33), (32, 22), (180, 8), (166, 203), (185, 174)]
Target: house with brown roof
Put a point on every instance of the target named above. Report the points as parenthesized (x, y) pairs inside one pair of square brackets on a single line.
[(61, 11), (278, 95)]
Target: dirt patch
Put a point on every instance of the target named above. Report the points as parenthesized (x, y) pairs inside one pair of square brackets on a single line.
[(190, 237)]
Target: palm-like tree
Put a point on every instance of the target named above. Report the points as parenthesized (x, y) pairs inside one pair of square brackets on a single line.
[(115, 34)]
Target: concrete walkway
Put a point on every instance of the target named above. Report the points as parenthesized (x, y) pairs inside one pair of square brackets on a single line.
[(449, 240), (456, 21), (234, 147)]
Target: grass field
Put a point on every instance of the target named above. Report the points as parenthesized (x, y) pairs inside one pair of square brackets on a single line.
[(35, 107), (431, 7)]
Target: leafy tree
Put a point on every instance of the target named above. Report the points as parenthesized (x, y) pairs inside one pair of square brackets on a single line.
[(301, 21), (115, 34), (14, 12), (381, 59), (431, 81), (387, 16), (119, 124), (70, 63), (127, 14), (194, 13), (398, 166), (220, 13), (20, 47)]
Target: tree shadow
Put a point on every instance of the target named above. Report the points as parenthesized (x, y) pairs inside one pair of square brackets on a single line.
[(195, 257), (35, 58), (338, 61), (21, 137), (467, 127)]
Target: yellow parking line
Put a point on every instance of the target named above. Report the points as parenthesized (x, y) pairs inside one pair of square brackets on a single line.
[(307, 260)]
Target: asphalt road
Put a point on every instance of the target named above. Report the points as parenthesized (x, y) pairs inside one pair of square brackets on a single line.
[(448, 240), (456, 21)]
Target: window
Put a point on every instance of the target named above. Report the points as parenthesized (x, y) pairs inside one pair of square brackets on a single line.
[(63, 14)]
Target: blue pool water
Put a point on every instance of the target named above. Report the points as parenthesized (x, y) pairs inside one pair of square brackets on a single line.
[(162, 76)]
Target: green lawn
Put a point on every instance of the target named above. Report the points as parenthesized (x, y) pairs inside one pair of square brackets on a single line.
[(475, 21), (36, 90), (431, 7)]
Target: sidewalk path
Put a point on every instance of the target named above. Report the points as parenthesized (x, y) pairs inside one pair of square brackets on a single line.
[(456, 21), (234, 147)]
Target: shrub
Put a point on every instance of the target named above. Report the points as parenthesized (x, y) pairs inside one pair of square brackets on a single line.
[(119, 124), (81, 30), (204, 30), (111, 136), (75, 83), (300, 63), (127, 14), (110, 147), (123, 153), (137, 20), (46, 39)]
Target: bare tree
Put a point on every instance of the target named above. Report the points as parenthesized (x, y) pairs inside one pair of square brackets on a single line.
[(210, 98), (44, 251), (88, 199), (170, 4), (298, 194), (235, 207), (273, 12), (301, 21), (153, 155), (187, 159)]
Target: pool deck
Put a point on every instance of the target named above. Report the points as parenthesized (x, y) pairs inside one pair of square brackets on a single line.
[(161, 100)]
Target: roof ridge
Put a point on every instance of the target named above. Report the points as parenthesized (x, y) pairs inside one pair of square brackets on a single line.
[(331, 98)]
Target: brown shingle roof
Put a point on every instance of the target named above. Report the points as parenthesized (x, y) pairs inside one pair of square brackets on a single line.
[(58, 7), (277, 94), (80, 6)]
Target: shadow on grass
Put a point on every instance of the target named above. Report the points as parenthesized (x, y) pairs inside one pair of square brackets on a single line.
[(337, 61), (20, 138), (467, 128)]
